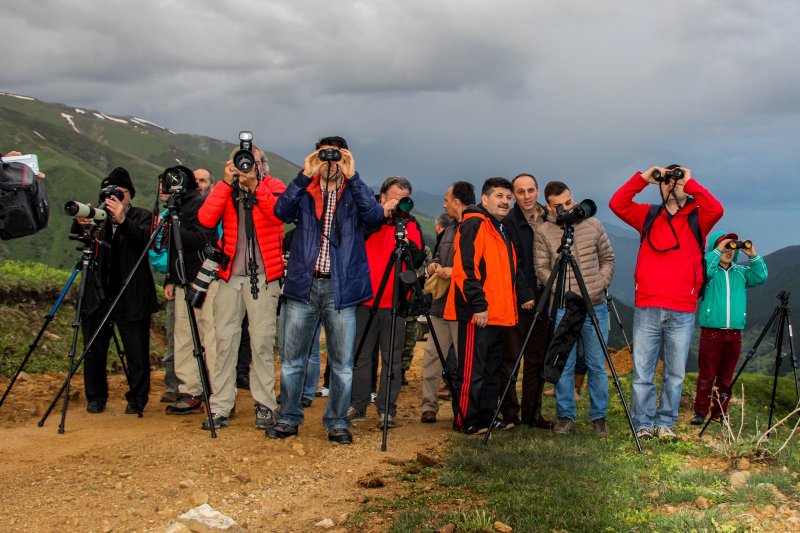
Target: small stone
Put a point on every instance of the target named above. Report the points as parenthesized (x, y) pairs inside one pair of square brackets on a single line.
[(743, 464), (448, 528), (654, 495), (107, 528), (199, 498), (301, 453), (426, 460), (669, 509), (325, 523), (205, 518), (371, 482), (137, 496), (394, 461), (24, 376), (702, 503), (225, 479), (500, 527), (187, 484), (776, 494), (243, 478), (297, 446), (124, 474), (178, 527), (739, 478)]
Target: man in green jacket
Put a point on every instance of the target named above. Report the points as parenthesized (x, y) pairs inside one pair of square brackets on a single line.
[(722, 316)]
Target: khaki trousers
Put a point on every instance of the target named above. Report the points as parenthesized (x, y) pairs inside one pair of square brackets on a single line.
[(447, 334), (186, 368)]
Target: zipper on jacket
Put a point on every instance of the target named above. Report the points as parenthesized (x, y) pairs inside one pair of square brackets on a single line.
[(727, 300)]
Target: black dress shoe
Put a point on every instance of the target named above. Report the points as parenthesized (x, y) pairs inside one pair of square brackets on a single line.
[(131, 409), (341, 435), (542, 422), (281, 431), (96, 406)]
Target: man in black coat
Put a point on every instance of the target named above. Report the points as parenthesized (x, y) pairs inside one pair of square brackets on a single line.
[(126, 231), (522, 222)]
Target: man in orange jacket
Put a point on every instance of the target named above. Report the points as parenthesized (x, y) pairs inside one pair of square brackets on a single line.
[(484, 301)]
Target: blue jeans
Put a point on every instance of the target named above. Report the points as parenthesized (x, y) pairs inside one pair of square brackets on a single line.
[(313, 365), (652, 327), (595, 365), (302, 320)]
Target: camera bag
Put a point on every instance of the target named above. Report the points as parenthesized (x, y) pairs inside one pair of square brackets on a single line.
[(564, 338), (24, 209)]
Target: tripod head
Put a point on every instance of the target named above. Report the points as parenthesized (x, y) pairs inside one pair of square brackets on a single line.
[(568, 239), (783, 296)]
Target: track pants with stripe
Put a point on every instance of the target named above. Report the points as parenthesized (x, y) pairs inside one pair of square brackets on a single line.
[(477, 382)]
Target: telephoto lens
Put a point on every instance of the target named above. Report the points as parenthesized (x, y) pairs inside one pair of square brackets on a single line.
[(209, 271)]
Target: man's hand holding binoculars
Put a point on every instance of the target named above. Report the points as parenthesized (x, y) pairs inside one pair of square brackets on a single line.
[(330, 163)]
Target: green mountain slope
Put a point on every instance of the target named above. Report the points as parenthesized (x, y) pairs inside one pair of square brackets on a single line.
[(76, 161)]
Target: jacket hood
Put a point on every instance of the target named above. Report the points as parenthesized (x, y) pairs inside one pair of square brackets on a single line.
[(714, 237)]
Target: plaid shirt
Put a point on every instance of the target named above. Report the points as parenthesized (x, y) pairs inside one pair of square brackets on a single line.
[(324, 259)]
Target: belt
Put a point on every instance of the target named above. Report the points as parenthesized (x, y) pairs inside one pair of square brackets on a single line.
[(322, 275)]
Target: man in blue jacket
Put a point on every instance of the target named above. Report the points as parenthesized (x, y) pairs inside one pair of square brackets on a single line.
[(327, 276), (722, 316)]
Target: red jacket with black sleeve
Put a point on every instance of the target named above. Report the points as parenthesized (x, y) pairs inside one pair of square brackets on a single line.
[(666, 276), (380, 246), (221, 205), (484, 272)]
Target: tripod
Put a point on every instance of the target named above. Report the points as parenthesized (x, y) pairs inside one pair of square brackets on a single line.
[(612, 308), (399, 256), (780, 321), (564, 262)]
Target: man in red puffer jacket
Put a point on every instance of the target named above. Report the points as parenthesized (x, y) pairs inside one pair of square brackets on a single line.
[(249, 283)]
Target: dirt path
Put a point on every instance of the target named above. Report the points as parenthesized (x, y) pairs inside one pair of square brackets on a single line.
[(116, 472)]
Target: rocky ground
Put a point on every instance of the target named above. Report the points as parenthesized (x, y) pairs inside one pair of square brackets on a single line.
[(116, 472)]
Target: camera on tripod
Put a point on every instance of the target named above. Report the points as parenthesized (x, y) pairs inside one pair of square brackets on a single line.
[(674, 172), (98, 214), (243, 159), (209, 271), (175, 180), (330, 155), (583, 210)]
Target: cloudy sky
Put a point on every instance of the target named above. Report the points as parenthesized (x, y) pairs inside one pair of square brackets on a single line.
[(581, 91)]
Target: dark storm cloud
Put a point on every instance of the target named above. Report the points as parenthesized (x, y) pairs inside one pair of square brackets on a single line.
[(576, 90)]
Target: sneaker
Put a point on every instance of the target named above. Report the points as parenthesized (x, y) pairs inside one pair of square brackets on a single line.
[(264, 416), (281, 431), (564, 425), (666, 434), (428, 417), (169, 397), (505, 425), (644, 433), (600, 427), (355, 415), (373, 397), (218, 420), (322, 392), (388, 420), (186, 405), (698, 420)]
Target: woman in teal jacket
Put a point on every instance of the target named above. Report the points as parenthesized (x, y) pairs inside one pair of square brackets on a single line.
[(722, 314)]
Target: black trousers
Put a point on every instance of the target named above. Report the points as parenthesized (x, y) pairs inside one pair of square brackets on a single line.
[(477, 381), (135, 337), (532, 364), (378, 335)]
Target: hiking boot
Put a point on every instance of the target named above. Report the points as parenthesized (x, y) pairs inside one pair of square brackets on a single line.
[(306, 401), (243, 381), (322, 392), (564, 425), (644, 433), (281, 431), (355, 415), (218, 420), (698, 420), (96, 406), (600, 427), (264, 417), (186, 404), (388, 420), (428, 417), (341, 436), (666, 435), (131, 409)]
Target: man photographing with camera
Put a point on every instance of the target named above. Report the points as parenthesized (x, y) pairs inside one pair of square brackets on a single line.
[(251, 238), (125, 232), (668, 278), (327, 276)]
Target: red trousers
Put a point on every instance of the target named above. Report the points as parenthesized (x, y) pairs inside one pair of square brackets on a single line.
[(719, 353)]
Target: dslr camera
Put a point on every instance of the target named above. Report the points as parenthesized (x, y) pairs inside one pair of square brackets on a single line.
[(585, 209), (209, 271), (674, 172), (175, 180), (244, 160), (98, 214)]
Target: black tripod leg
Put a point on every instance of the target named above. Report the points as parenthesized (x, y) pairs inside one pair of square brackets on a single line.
[(792, 353), (200, 356), (47, 319), (612, 307), (778, 359)]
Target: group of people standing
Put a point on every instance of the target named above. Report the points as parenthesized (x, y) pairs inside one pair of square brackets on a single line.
[(492, 257)]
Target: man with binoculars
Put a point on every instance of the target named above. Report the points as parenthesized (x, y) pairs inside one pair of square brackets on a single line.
[(251, 238)]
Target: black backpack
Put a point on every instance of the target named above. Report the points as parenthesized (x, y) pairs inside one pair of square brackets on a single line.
[(694, 225), (24, 209)]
